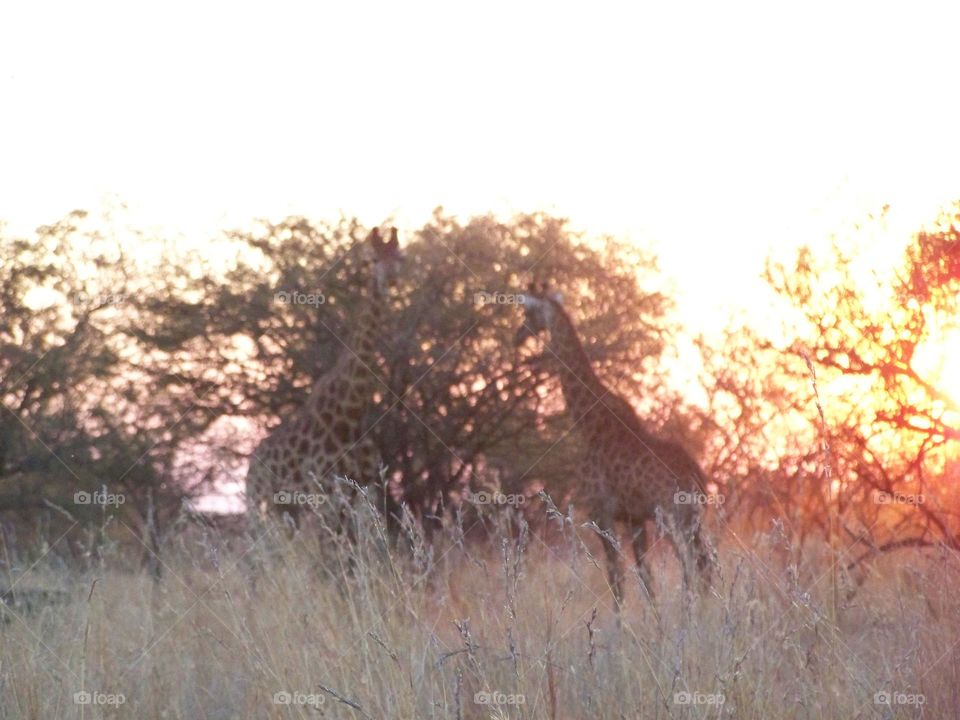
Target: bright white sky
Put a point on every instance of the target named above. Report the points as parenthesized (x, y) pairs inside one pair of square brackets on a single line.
[(713, 130)]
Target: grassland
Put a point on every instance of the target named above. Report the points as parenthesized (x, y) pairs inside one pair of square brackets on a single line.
[(494, 619)]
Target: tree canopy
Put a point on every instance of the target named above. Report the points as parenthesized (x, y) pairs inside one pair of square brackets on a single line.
[(158, 377), (128, 363)]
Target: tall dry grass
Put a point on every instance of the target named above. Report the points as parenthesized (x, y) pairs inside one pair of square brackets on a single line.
[(518, 624)]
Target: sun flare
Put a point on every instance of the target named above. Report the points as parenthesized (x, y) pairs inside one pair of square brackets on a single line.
[(938, 362)]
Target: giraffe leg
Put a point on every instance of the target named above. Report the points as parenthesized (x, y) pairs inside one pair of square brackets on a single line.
[(641, 544), (257, 556), (614, 569), (702, 556), (292, 520), (693, 556)]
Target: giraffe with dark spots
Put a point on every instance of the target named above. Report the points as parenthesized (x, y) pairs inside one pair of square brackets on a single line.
[(324, 438), (630, 474)]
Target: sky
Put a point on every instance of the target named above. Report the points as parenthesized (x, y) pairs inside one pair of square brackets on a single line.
[(714, 133)]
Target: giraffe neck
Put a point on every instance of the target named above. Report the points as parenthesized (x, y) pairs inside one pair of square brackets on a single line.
[(581, 386), (365, 334), (354, 378)]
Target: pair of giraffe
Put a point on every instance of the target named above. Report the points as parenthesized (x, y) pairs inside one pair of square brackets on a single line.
[(629, 474)]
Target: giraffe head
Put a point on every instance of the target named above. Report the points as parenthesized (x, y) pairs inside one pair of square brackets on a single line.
[(386, 258), (540, 307)]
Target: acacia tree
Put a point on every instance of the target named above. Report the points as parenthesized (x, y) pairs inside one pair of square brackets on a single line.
[(68, 424), (839, 429), (157, 377), (457, 408), (469, 410), (87, 404), (51, 349)]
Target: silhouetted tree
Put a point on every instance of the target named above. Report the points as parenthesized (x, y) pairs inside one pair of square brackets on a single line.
[(458, 407), (876, 469)]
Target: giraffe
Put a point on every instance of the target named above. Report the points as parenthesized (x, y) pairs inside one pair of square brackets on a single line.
[(630, 474), (325, 436)]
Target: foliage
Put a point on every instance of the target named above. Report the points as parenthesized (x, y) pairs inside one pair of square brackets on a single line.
[(86, 406), (182, 360), (838, 429), (458, 407)]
